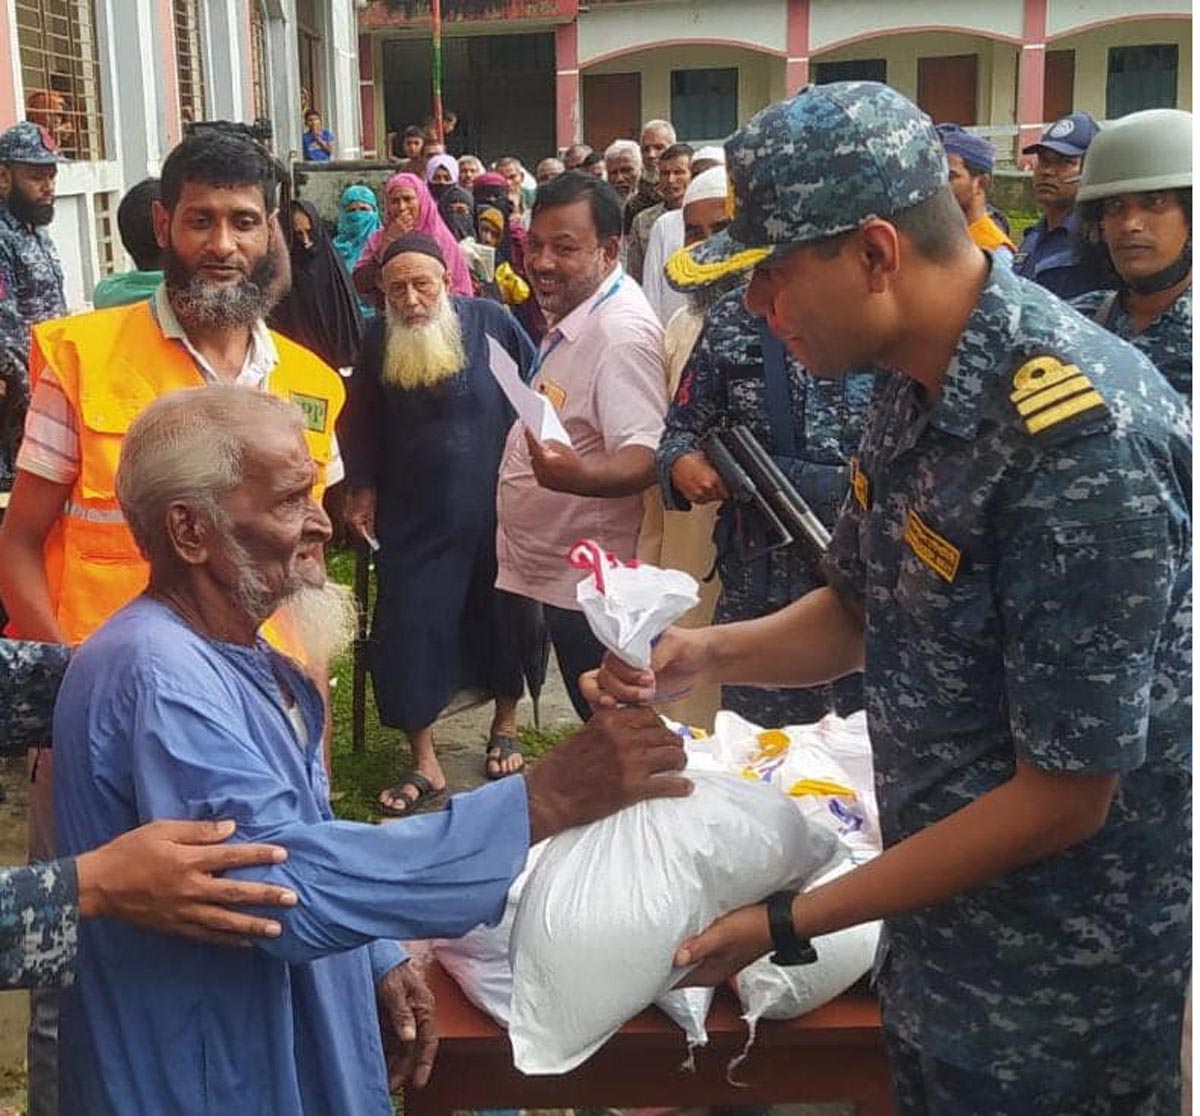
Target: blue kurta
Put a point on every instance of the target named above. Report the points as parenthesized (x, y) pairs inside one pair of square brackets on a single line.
[(155, 721)]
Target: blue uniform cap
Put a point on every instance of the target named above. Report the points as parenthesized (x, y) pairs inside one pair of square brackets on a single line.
[(28, 143), (813, 167), (978, 153), (1069, 136)]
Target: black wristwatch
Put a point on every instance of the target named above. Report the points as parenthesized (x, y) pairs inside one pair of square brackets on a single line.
[(790, 948)]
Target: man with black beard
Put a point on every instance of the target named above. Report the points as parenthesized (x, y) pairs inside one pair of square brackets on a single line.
[(31, 277), (67, 558), (424, 430)]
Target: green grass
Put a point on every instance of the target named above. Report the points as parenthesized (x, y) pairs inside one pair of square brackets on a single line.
[(358, 777), (1020, 220)]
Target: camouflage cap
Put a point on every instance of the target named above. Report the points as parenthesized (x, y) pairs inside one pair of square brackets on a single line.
[(815, 166), (28, 143)]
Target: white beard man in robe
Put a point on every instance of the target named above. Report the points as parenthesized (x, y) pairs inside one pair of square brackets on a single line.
[(427, 422)]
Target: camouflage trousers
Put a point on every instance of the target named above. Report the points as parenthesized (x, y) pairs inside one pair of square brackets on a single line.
[(925, 1086)]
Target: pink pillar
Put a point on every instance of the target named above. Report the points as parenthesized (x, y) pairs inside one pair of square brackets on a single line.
[(366, 94), (1031, 81), (170, 85), (798, 19), (566, 83), (9, 113)]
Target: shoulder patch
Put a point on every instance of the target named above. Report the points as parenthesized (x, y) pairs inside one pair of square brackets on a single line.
[(1047, 393)]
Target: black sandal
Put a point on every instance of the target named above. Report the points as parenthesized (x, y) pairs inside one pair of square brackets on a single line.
[(427, 795), (498, 749)]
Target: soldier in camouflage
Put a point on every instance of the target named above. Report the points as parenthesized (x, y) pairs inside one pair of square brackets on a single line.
[(31, 278), (159, 876), (1136, 201), (811, 440), (1012, 569)]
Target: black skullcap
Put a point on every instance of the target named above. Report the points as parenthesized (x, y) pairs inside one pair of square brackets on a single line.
[(413, 242)]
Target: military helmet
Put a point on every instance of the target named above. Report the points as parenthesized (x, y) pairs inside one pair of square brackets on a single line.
[(1144, 151)]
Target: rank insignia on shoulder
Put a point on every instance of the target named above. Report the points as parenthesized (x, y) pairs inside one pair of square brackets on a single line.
[(315, 409), (1048, 392), (939, 554), (860, 485)]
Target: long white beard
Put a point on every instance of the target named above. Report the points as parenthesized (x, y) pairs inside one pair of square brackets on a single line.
[(326, 619), (423, 355)]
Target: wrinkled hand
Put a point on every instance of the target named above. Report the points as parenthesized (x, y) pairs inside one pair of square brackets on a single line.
[(621, 756), (360, 512), (697, 480), (726, 947), (161, 876), (558, 467), (407, 1026), (677, 665)]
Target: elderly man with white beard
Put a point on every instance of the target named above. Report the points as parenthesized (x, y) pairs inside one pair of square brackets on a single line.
[(176, 708), (424, 431)]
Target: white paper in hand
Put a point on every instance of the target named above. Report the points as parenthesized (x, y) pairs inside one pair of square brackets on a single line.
[(533, 409), (629, 606)]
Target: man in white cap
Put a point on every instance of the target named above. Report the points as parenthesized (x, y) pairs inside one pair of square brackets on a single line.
[(666, 236)]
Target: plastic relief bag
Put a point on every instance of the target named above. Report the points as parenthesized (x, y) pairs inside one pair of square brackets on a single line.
[(769, 991), (608, 904), (824, 768), (629, 606)]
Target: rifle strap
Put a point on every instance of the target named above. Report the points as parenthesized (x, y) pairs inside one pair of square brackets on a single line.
[(778, 394)]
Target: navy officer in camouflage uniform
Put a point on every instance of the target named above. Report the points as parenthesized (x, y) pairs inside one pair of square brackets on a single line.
[(31, 277), (1012, 570), (1136, 202), (739, 372), (158, 876)]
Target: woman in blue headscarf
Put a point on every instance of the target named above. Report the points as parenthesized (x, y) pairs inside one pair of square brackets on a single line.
[(358, 217)]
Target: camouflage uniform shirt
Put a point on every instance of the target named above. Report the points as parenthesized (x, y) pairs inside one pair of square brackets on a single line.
[(39, 912), (1022, 552), (31, 291), (723, 381), (1167, 340)]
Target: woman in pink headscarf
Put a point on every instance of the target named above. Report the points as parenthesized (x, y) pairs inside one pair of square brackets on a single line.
[(409, 209)]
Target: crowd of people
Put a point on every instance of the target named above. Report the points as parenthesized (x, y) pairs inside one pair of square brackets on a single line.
[(1005, 476)]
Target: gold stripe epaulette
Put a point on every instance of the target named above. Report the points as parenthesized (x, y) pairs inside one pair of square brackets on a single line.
[(1048, 392)]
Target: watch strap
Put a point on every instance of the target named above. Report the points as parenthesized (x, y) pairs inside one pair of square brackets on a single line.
[(790, 948)]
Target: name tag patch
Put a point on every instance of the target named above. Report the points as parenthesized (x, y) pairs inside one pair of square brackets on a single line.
[(1047, 392), (316, 410), (940, 555), (860, 485)]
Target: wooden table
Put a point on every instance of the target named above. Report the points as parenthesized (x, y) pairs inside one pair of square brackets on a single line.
[(835, 1053)]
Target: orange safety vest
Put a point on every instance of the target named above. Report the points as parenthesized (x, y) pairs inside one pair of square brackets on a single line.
[(111, 365)]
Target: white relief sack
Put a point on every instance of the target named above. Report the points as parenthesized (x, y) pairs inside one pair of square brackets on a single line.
[(608, 904)]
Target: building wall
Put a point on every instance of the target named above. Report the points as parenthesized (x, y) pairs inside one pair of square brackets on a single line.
[(760, 76), (995, 92), (1063, 16), (140, 107), (606, 30), (1091, 57), (834, 21)]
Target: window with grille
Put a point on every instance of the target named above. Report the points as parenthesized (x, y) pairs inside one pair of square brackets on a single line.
[(189, 59), (1141, 77), (258, 61), (704, 103), (60, 72), (103, 210)]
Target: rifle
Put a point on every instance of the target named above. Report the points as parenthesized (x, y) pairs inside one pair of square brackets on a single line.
[(758, 486)]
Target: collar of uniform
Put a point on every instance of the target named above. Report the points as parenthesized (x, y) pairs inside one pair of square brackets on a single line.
[(989, 334), (572, 325), (263, 355), (8, 220)]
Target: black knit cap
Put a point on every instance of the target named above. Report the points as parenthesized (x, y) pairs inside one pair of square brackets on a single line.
[(413, 242)]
